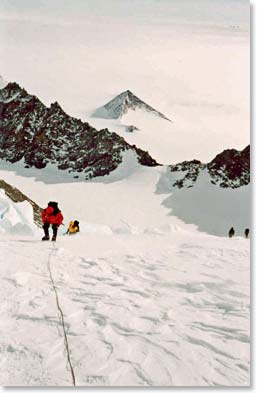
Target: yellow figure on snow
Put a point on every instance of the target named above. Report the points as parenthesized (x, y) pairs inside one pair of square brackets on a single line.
[(73, 227)]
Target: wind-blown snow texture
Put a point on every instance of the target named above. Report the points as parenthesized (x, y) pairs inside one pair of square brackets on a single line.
[(147, 300), (134, 316)]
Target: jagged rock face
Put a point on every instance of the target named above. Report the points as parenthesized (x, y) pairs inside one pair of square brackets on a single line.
[(229, 169), (192, 169), (40, 135), (121, 104)]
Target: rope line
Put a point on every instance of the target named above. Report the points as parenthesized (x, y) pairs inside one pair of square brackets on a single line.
[(66, 343)]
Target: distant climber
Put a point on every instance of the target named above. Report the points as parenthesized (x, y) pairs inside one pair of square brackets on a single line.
[(73, 227), (247, 231), (51, 216), (231, 232)]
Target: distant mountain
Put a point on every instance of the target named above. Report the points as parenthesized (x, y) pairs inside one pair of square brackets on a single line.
[(121, 104), (229, 169), (17, 196), (40, 135)]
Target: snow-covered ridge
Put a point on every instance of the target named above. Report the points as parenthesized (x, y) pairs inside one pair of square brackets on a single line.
[(121, 104), (229, 169), (17, 196), (43, 136), (16, 218)]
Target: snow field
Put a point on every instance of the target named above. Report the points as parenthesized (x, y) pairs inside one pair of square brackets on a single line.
[(175, 314), (211, 208), (31, 353), (147, 299), (136, 199), (121, 199), (15, 218)]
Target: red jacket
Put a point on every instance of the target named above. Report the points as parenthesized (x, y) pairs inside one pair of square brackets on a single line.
[(48, 216)]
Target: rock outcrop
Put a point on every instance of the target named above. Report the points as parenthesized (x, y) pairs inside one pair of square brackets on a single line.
[(40, 136), (229, 169)]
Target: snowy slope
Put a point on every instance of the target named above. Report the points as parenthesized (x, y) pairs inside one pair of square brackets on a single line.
[(145, 297), (126, 197), (211, 208), (134, 196), (142, 310), (16, 218)]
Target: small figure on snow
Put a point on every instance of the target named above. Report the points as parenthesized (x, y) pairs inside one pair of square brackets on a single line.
[(247, 231), (51, 216), (231, 232), (73, 227)]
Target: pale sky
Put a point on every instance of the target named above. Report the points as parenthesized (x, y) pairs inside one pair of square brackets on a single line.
[(209, 11)]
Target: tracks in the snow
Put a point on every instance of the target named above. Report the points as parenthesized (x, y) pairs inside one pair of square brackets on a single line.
[(66, 342)]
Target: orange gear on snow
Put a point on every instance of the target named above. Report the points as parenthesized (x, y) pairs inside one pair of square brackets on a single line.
[(73, 228)]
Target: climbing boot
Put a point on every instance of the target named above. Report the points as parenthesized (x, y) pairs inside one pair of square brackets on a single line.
[(55, 229)]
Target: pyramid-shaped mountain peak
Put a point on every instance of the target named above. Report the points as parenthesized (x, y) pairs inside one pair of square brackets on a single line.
[(128, 92), (122, 103)]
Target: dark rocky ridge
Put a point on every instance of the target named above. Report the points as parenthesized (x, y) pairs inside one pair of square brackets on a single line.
[(40, 135), (229, 169)]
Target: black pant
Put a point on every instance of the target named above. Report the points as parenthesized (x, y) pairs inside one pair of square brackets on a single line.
[(46, 229)]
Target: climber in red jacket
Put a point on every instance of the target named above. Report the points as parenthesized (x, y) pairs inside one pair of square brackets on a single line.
[(51, 216)]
